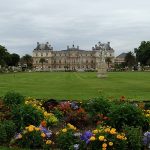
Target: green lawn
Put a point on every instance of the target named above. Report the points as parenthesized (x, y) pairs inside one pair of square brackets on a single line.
[(68, 85)]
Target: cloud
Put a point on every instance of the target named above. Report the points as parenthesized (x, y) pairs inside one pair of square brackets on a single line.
[(24, 22)]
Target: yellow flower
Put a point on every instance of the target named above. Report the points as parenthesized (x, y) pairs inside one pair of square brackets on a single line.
[(71, 126), (113, 131), (48, 142), (64, 130), (103, 148), (26, 102), (43, 135), (95, 131), (101, 138), (104, 145), (45, 113), (30, 129), (107, 130), (120, 137), (92, 138), (37, 129), (110, 143)]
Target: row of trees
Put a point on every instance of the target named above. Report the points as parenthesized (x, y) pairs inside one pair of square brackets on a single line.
[(142, 56), (7, 59)]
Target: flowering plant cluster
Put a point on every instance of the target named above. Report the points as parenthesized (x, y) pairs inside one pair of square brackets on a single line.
[(104, 138), (94, 124), (49, 117), (34, 137)]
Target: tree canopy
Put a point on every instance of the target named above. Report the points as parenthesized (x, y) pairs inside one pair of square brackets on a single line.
[(129, 59), (27, 60), (7, 59), (143, 53), (3, 55)]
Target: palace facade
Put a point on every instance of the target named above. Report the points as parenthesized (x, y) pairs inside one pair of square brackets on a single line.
[(73, 58)]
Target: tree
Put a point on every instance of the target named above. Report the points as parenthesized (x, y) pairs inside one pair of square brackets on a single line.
[(3, 55), (15, 58), (143, 53), (108, 61), (27, 60), (42, 61), (12, 59), (130, 59)]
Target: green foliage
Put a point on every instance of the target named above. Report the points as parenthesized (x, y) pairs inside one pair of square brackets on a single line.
[(27, 59), (13, 99), (31, 140), (25, 115), (7, 130), (126, 114), (147, 105), (3, 55), (134, 138), (130, 59), (66, 140), (97, 105), (143, 53)]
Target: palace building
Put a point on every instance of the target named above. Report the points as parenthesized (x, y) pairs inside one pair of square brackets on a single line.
[(71, 59)]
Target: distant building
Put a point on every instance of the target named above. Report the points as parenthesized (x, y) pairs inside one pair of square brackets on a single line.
[(73, 58), (120, 58)]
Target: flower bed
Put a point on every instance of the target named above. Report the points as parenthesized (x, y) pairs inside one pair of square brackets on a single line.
[(98, 123)]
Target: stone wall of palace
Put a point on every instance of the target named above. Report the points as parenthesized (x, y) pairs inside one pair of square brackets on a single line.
[(70, 59)]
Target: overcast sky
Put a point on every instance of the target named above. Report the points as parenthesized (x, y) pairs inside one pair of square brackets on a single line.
[(23, 23)]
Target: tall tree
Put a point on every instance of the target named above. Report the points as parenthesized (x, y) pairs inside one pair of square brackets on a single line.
[(108, 61), (3, 55), (27, 60), (143, 53), (42, 61), (130, 59)]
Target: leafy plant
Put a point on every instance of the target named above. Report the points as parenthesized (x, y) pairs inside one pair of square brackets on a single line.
[(98, 105), (126, 114), (25, 115), (65, 138), (7, 130), (134, 137), (32, 140), (104, 138), (13, 98)]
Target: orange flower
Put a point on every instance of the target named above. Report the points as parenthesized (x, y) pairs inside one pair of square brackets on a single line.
[(43, 123), (122, 98)]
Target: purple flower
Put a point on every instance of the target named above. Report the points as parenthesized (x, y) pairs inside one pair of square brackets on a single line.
[(46, 131), (146, 138), (86, 136)]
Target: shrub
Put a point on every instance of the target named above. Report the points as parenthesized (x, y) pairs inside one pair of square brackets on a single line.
[(13, 98), (25, 115), (7, 131), (65, 138), (104, 138), (126, 114), (49, 117), (98, 105), (134, 138), (147, 105), (30, 138)]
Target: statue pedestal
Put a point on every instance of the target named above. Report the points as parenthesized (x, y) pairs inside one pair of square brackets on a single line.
[(102, 71)]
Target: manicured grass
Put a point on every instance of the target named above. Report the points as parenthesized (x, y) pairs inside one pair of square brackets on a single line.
[(74, 85)]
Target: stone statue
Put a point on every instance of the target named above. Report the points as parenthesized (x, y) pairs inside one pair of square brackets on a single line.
[(102, 67)]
